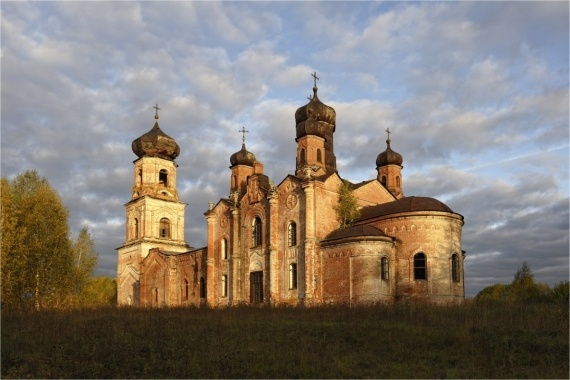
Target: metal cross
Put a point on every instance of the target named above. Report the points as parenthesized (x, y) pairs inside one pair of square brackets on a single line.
[(157, 109), (243, 132), (388, 131), (314, 75)]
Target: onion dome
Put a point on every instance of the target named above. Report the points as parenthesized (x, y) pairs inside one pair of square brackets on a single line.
[(307, 118), (156, 143), (389, 157), (243, 157)]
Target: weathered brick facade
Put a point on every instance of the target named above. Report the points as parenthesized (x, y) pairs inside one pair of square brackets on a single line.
[(282, 243)]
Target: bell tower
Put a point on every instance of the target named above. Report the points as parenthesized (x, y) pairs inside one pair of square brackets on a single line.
[(154, 215), (315, 126), (389, 168)]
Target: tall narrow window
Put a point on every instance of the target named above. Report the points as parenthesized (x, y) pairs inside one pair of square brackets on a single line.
[(186, 289), (455, 272), (234, 181), (163, 177), (302, 156), (139, 177), (385, 268), (164, 228), (384, 180), (292, 234), (202, 287), (398, 181), (256, 232), (136, 228), (156, 296), (420, 272), (224, 249), (319, 156), (224, 285), (293, 276)]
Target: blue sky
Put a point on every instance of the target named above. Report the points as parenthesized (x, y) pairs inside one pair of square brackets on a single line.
[(475, 93)]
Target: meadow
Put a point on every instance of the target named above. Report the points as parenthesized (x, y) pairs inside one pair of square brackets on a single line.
[(488, 340)]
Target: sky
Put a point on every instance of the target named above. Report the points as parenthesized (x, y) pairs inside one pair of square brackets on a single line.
[(475, 95)]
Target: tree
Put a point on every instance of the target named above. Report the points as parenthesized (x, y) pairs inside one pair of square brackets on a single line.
[(99, 291), (523, 288), (84, 263), (347, 209), (37, 257)]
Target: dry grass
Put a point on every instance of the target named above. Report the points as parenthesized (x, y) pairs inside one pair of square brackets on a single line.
[(405, 341)]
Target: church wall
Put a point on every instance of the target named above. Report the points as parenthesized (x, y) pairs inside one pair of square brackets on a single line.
[(438, 236), (352, 273)]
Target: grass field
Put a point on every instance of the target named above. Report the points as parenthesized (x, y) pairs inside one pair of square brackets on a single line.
[(404, 341)]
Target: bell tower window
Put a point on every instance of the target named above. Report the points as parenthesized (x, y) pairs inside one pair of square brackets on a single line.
[(292, 234), (164, 228), (163, 178), (136, 228), (319, 156), (302, 156)]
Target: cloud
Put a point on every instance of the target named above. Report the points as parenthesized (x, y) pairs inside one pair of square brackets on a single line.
[(477, 106)]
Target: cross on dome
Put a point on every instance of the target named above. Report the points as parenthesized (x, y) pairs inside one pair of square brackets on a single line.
[(314, 75), (243, 132), (157, 109)]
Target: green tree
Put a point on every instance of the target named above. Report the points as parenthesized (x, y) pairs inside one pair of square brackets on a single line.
[(347, 209), (84, 262), (100, 291), (37, 257)]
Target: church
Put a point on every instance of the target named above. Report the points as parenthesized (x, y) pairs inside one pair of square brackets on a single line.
[(288, 243)]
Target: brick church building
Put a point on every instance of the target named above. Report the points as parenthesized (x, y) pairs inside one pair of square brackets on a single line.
[(283, 244)]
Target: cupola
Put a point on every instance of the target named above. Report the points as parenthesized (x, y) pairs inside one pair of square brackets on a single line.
[(307, 117), (156, 143), (389, 168), (242, 157)]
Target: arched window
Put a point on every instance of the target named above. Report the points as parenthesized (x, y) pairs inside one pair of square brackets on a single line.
[(384, 180), (224, 249), (420, 267), (202, 287), (455, 272), (234, 181), (186, 289), (398, 181), (139, 177), (136, 228), (319, 156), (302, 156), (293, 276), (164, 229), (292, 234), (385, 268), (163, 177), (224, 285), (256, 232)]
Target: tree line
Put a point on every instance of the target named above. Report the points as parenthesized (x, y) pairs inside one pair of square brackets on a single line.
[(524, 289), (42, 265)]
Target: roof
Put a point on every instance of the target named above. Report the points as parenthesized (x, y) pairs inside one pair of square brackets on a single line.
[(354, 233), (406, 204)]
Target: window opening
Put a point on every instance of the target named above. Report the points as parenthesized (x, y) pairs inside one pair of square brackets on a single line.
[(136, 228), (202, 287), (256, 287), (455, 272), (293, 276), (302, 156), (164, 228), (224, 249), (319, 156), (163, 177), (292, 234), (186, 289), (384, 180), (420, 272), (224, 285), (256, 232), (385, 268)]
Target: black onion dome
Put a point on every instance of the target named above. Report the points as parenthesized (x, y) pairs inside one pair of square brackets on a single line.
[(243, 157), (307, 118), (389, 157), (156, 143)]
